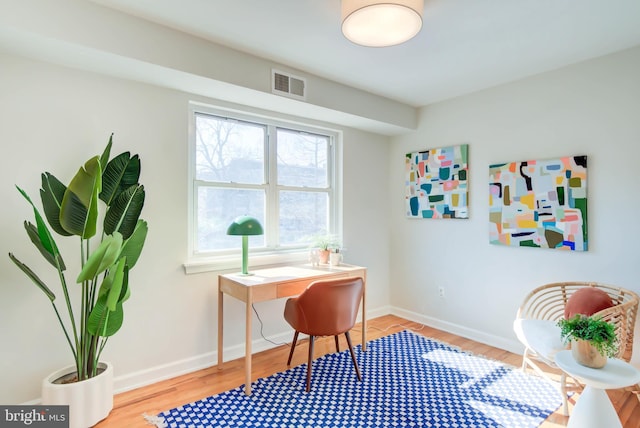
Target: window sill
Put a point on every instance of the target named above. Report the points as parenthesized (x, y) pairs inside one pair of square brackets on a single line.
[(223, 263)]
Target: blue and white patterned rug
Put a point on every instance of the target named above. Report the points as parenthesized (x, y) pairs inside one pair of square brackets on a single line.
[(408, 381)]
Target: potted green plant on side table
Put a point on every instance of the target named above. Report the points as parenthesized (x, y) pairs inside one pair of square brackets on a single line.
[(592, 339), (106, 258)]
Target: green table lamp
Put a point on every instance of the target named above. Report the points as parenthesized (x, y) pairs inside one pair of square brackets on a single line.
[(245, 226)]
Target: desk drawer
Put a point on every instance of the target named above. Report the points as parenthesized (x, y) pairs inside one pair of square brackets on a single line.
[(294, 288), (260, 294)]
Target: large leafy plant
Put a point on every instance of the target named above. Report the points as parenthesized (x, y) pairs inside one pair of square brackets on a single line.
[(106, 256)]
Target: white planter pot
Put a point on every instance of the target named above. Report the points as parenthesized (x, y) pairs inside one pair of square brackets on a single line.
[(89, 401)]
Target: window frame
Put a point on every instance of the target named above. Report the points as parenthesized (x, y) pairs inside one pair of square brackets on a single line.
[(229, 259)]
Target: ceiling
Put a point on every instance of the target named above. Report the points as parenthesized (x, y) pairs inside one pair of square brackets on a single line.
[(464, 46)]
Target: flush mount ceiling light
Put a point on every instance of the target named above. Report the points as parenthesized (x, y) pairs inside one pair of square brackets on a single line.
[(379, 23)]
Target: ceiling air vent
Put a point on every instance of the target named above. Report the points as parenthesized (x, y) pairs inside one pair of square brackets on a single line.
[(288, 85)]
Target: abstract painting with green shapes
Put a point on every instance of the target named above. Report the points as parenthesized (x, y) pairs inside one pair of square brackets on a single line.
[(436, 183), (539, 203)]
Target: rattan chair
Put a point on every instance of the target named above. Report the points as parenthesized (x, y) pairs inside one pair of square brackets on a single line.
[(536, 328)]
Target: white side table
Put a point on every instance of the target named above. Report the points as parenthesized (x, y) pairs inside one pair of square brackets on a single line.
[(594, 409)]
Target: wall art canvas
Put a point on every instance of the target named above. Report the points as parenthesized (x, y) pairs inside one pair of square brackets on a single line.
[(539, 203), (437, 183)]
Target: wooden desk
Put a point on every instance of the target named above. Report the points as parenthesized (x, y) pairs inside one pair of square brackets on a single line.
[(276, 283)]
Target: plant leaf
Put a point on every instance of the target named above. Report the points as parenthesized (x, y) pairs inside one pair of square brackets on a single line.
[(44, 236), (51, 195), (132, 247), (41, 285), (106, 285), (102, 321), (104, 159), (102, 257), (116, 276), (114, 290), (125, 292), (32, 231), (120, 173), (124, 212), (79, 210)]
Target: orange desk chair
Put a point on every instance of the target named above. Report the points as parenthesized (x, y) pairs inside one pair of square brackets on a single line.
[(325, 308)]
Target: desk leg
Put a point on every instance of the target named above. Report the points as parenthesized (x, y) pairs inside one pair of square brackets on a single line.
[(594, 410), (364, 315), (364, 321), (220, 327), (247, 346)]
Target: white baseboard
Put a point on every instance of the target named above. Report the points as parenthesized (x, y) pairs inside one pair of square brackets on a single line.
[(470, 333), (162, 372), (378, 312), (177, 368)]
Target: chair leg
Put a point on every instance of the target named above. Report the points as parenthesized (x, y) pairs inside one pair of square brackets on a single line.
[(293, 347), (353, 355), (309, 363), (525, 355), (337, 344), (563, 391)]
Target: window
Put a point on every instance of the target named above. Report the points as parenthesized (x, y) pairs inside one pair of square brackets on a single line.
[(280, 173)]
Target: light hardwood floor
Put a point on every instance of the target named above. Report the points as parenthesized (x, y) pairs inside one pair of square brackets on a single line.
[(153, 399)]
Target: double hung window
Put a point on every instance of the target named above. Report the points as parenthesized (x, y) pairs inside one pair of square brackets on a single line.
[(281, 174)]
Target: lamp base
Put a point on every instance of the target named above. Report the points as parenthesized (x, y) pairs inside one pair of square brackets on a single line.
[(245, 274)]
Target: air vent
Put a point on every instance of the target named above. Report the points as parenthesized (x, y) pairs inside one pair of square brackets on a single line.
[(288, 85)]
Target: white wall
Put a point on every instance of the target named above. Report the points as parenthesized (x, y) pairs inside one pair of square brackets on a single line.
[(53, 119), (589, 109), (84, 35)]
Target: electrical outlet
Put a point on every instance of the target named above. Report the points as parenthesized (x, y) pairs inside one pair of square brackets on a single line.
[(441, 291)]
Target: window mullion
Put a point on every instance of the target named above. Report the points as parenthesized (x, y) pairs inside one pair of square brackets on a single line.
[(334, 225), (229, 185), (273, 206), (304, 189)]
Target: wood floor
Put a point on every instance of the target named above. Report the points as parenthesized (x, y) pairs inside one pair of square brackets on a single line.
[(129, 407)]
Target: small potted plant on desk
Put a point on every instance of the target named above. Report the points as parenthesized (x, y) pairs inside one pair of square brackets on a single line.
[(592, 339), (324, 244)]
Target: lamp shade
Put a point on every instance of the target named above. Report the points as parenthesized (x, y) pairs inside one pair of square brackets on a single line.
[(379, 23), (245, 225)]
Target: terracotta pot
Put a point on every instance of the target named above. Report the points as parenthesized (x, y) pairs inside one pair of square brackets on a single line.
[(585, 354), (324, 256), (89, 401)]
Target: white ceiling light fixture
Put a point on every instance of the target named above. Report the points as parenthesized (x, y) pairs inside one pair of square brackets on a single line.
[(380, 23)]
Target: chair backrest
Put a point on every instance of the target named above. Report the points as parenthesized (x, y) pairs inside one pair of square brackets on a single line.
[(329, 307), (548, 302)]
